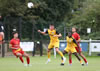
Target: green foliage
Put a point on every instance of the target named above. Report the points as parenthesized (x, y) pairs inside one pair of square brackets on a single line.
[(61, 13), (12, 7), (88, 17)]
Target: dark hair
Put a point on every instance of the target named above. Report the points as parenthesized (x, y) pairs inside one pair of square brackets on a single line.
[(51, 24), (68, 33), (75, 27), (15, 32)]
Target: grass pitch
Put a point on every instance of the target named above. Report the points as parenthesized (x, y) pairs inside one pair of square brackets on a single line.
[(38, 64)]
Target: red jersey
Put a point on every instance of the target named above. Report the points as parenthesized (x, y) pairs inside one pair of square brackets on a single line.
[(76, 36), (15, 44)]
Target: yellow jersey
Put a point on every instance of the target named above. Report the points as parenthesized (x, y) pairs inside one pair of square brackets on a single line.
[(51, 34), (70, 42)]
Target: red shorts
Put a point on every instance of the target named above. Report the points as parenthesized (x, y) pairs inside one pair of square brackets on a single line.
[(21, 52), (77, 49)]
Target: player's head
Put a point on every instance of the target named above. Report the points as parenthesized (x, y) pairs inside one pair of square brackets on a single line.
[(69, 34), (51, 27), (15, 34), (73, 29)]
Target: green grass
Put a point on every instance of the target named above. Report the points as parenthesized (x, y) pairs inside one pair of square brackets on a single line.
[(38, 64)]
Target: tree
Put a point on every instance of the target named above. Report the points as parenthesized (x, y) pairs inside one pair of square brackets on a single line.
[(88, 17)]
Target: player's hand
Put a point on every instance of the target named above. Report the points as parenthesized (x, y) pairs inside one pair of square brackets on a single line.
[(55, 36), (39, 31)]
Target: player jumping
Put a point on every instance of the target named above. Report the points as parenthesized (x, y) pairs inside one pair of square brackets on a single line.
[(76, 36), (17, 51), (71, 44), (54, 42)]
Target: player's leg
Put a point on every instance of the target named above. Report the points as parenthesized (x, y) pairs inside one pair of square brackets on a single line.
[(70, 58), (50, 46), (59, 52), (49, 54), (81, 54), (78, 58), (56, 45), (64, 52), (84, 58), (73, 50), (27, 57), (20, 57)]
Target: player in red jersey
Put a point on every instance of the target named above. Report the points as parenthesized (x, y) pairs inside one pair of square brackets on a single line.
[(76, 36), (17, 51)]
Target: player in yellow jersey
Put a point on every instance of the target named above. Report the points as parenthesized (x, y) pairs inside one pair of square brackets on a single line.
[(71, 44), (54, 42)]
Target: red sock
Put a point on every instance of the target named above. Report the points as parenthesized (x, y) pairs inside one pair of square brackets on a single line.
[(21, 59), (28, 60), (70, 61), (85, 60)]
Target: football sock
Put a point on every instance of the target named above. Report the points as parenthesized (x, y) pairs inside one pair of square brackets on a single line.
[(70, 61), (80, 61), (21, 59), (28, 60), (49, 55), (62, 60), (85, 60)]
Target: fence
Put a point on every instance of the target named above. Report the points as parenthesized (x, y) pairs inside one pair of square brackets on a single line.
[(89, 46), (86, 45), (28, 46)]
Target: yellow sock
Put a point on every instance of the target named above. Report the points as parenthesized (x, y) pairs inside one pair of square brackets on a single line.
[(61, 54), (80, 61), (62, 61), (49, 55)]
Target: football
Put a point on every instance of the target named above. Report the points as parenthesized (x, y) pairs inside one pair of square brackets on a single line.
[(30, 5)]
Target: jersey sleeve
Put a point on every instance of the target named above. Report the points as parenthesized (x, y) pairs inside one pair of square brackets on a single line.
[(46, 31), (57, 32), (78, 36), (74, 41)]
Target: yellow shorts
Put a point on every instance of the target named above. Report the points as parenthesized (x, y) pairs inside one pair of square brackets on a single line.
[(69, 49), (52, 45)]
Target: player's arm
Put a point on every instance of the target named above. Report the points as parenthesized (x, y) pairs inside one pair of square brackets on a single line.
[(42, 32), (10, 46), (78, 38), (76, 43), (58, 34)]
